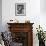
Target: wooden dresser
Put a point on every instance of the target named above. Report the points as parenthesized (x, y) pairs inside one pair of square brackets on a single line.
[(22, 33)]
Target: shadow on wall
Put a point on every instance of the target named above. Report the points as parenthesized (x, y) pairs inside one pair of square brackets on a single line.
[(43, 6), (0, 15)]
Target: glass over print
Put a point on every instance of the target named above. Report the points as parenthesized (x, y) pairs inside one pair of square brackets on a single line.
[(20, 9)]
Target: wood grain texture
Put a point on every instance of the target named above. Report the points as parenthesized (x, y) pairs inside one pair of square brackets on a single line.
[(23, 27)]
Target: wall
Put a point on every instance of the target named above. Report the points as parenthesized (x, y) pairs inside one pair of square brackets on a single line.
[(43, 14), (0, 15), (43, 6), (33, 13)]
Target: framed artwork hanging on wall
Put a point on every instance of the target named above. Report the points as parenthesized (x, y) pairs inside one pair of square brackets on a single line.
[(20, 9)]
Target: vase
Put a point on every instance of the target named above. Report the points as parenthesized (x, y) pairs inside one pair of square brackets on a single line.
[(41, 43)]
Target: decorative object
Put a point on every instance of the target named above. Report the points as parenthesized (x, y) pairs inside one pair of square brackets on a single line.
[(41, 36), (13, 21), (20, 9), (7, 38), (1, 40), (45, 34), (27, 21)]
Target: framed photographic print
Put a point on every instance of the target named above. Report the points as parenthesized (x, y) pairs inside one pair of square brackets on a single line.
[(20, 9)]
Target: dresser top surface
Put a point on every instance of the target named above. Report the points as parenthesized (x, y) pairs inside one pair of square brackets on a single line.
[(19, 23)]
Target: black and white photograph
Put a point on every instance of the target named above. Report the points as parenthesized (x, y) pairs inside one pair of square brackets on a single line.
[(20, 9)]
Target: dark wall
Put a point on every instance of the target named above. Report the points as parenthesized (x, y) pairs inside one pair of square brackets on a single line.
[(0, 15)]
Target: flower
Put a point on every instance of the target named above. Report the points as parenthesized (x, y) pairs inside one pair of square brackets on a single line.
[(40, 33)]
